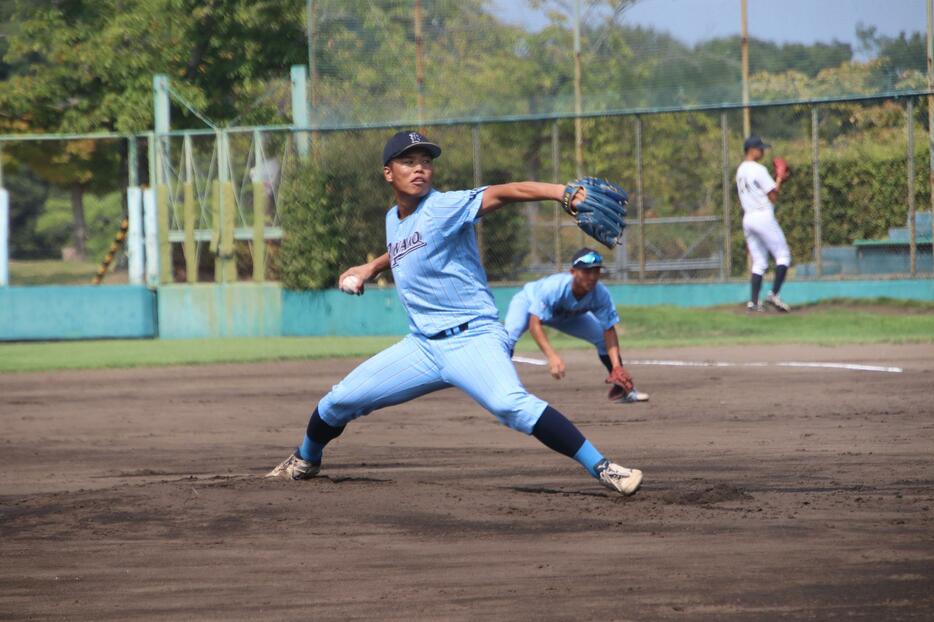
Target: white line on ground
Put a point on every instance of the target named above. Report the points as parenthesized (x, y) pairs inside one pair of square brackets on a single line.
[(667, 363), (848, 366), (529, 361)]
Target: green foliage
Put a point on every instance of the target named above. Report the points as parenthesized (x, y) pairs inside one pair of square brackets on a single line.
[(28, 194), (333, 209), (103, 217)]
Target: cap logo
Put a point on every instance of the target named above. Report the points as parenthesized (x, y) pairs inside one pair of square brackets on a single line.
[(415, 137)]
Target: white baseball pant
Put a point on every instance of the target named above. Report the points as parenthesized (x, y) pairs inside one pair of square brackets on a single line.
[(764, 236)]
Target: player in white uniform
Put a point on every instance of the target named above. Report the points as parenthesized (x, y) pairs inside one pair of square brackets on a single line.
[(456, 339), (577, 304), (757, 194)]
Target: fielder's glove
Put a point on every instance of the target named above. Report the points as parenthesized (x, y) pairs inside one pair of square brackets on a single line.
[(601, 214), (622, 384), (782, 170)]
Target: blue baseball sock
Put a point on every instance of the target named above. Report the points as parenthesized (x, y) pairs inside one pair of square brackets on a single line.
[(589, 457), (317, 435), (310, 451), (556, 432)]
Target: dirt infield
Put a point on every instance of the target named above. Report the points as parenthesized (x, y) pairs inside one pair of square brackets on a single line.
[(770, 494)]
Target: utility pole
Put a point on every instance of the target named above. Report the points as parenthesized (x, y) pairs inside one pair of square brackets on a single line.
[(419, 65), (744, 51), (310, 25), (930, 7), (578, 105)]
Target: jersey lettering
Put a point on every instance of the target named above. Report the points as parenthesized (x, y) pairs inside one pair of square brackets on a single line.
[(401, 248)]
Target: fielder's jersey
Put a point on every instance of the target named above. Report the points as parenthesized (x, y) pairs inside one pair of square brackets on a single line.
[(436, 264), (754, 185), (552, 300)]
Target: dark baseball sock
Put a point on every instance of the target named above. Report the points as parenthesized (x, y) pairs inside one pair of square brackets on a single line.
[(755, 286), (317, 435), (557, 433), (605, 359), (780, 272)]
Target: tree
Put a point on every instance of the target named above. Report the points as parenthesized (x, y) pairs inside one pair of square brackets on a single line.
[(78, 66)]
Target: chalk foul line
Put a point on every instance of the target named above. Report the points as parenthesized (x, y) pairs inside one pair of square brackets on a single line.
[(669, 363)]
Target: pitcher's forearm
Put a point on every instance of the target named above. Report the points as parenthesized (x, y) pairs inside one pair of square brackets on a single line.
[(495, 197), (378, 265)]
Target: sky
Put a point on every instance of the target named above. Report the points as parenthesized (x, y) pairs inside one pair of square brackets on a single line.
[(784, 21)]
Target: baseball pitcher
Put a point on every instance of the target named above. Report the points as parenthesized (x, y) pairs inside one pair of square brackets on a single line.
[(456, 339), (757, 194)]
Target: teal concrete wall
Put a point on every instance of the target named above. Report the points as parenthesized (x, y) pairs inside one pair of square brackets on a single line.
[(332, 312), (378, 311), (209, 310), (266, 310), (76, 312)]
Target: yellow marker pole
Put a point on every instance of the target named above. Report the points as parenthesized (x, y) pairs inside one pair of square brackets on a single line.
[(260, 203), (189, 248)]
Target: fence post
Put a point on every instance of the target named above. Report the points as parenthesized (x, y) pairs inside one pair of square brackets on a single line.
[(134, 200), (300, 108), (260, 201), (640, 201), (151, 238), (727, 263), (188, 206), (160, 86), (815, 170), (477, 180), (912, 226), (555, 173), (4, 229)]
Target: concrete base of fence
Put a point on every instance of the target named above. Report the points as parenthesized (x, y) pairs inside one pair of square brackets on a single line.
[(77, 312), (208, 310), (266, 310)]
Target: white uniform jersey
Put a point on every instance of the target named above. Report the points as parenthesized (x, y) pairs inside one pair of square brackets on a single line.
[(754, 184), (763, 234)]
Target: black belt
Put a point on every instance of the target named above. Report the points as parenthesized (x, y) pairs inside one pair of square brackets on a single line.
[(450, 332)]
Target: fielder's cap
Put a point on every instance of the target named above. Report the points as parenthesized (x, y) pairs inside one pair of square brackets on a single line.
[(586, 258), (755, 142), (404, 141)]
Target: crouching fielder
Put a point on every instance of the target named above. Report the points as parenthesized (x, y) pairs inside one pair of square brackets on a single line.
[(757, 194), (577, 304)]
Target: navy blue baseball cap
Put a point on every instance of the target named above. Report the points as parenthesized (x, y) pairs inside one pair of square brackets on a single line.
[(406, 140), (754, 142), (586, 258)]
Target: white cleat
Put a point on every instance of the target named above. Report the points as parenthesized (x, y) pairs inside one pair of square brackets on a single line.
[(752, 307), (295, 468), (622, 480), (632, 397), (775, 302)]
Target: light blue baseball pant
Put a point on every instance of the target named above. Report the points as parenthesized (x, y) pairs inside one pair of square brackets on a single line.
[(476, 361), (585, 326)]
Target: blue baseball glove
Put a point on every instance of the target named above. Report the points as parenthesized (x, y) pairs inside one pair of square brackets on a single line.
[(601, 214)]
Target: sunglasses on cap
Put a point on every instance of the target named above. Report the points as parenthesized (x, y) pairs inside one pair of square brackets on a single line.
[(588, 260)]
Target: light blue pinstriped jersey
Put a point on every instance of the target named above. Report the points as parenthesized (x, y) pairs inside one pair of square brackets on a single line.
[(436, 264), (551, 300)]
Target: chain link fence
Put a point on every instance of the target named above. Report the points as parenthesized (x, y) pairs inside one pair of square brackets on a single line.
[(855, 206)]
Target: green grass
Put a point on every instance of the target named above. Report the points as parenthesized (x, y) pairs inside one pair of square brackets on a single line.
[(833, 323), (56, 272)]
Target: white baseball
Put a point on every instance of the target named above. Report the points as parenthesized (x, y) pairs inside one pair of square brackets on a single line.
[(351, 284)]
